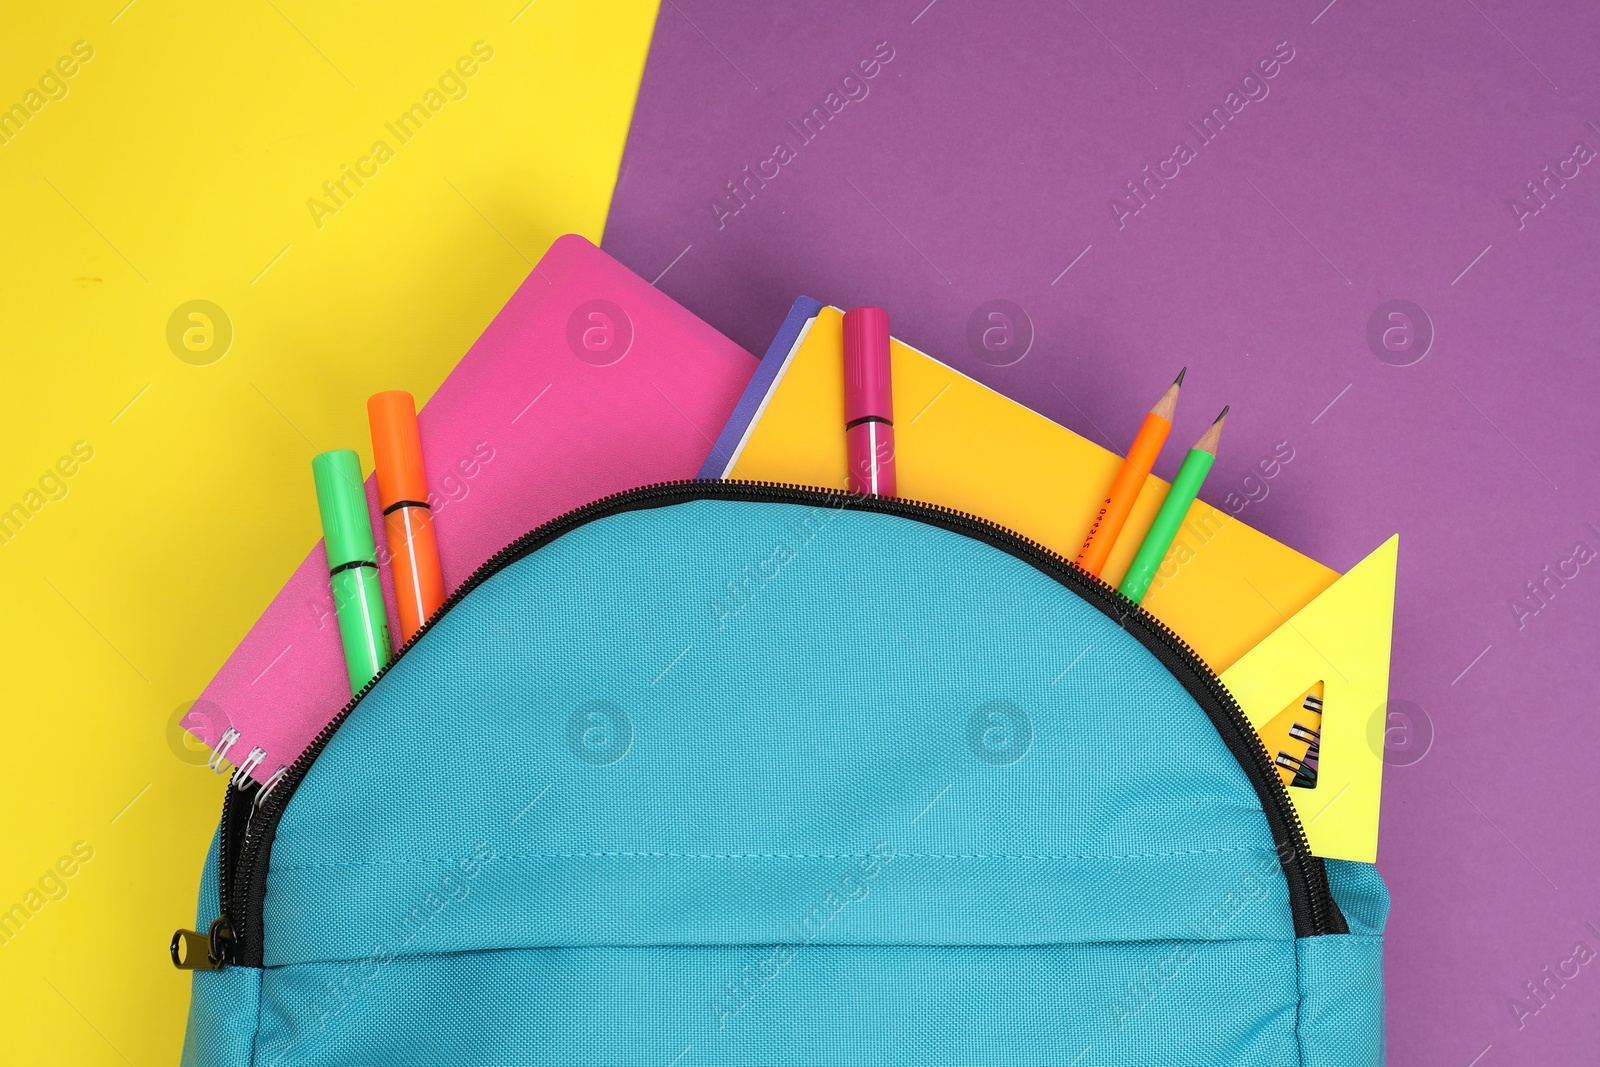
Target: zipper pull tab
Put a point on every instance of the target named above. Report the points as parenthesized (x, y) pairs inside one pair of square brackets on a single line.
[(211, 951)]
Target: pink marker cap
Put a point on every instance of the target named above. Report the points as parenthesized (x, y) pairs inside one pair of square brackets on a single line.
[(867, 392)]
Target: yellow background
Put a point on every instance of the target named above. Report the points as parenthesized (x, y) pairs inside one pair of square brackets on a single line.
[(176, 168)]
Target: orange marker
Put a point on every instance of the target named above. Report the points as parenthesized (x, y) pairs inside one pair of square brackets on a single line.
[(1130, 479), (407, 519)]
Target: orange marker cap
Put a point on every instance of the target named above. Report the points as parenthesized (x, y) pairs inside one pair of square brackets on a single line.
[(396, 448)]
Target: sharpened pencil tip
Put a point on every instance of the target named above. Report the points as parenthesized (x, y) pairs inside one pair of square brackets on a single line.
[(1220, 417), (1213, 435), (1179, 379)]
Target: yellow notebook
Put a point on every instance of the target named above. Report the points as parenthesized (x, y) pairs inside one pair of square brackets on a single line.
[(1224, 586)]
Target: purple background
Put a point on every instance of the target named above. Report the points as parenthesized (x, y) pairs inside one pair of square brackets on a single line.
[(1381, 165)]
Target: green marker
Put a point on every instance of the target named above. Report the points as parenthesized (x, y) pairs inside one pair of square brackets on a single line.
[(352, 564), (1164, 529)]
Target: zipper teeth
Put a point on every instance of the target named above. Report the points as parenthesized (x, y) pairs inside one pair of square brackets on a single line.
[(1102, 590), (1108, 594), (273, 805), (1095, 589), (225, 870)]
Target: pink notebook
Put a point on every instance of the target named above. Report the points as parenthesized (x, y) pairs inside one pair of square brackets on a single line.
[(587, 382)]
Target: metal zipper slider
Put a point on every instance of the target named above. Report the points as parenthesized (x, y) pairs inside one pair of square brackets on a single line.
[(194, 951)]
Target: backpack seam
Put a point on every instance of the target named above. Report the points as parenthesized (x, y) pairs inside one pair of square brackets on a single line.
[(1022, 856), (255, 1034), (1299, 1008)]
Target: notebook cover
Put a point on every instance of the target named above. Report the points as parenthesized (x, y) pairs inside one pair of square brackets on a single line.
[(587, 382), (748, 410), (1223, 588)]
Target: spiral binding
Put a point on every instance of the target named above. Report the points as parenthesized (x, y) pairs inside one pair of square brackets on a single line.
[(245, 769), (270, 784), (251, 762), (219, 754)]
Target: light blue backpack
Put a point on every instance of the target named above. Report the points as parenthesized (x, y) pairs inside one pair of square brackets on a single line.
[(730, 774)]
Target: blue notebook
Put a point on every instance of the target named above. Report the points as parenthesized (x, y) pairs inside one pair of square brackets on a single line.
[(747, 412)]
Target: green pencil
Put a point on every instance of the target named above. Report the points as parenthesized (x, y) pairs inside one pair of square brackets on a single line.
[(1164, 528), (352, 564)]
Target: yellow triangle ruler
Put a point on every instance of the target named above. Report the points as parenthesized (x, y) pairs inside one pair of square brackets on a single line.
[(1342, 638)]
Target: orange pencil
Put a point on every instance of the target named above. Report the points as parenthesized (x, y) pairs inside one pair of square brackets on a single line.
[(1130, 479), (407, 518)]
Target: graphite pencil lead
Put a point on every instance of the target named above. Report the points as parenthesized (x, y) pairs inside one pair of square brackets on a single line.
[(1167, 406), (1208, 440)]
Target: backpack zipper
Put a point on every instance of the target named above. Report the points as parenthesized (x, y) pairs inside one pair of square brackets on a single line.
[(250, 820)]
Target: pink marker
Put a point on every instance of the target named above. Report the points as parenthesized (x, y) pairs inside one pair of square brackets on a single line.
[(868, 402)]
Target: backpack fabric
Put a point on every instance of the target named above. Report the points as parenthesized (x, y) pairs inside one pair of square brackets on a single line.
[(711, 778)]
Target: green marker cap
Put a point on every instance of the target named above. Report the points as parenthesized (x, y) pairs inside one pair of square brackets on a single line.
[(342, 500)]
